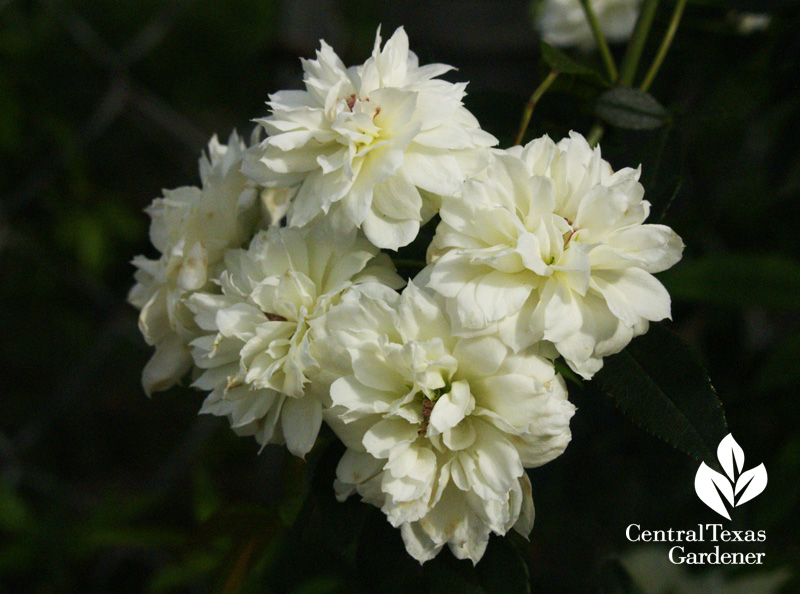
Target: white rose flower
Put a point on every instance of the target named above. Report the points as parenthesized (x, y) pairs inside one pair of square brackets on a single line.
[(262, 341), (191, 227), (549, 245), (439, 429), (370, 146), (564, 23)]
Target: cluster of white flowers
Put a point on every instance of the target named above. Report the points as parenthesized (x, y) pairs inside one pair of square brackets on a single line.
[(564, 22), (445, 392)]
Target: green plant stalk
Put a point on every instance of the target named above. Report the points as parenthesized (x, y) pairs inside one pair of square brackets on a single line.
[(531, 104), (665, 45), (602, 44), (595, 134), (633, 54)]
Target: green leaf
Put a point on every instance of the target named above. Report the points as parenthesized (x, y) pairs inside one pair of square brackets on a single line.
[(631, 109), (780, 370), (737, 280), (563, 64), (658, 383), (614, 579)]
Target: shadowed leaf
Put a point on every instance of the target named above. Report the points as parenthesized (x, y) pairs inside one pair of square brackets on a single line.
[(563, 64), (631, 109), (658, 383)]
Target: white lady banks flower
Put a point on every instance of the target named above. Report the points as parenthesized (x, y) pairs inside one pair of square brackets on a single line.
[(439, 429), (263, 334), (370, 146), (191, 228), (549, 245), (564, 22)]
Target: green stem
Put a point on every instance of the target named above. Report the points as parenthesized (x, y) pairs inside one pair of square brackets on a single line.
[(630, 62), (602, 44), (529, 106), (595, 134), (665, 44), (569, 375)]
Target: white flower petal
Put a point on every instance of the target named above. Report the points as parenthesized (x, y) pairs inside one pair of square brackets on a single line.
[(389, 233), (386, 434), (301, 419), (562, 312), (418, 544), (461, 436), (357, 467), (480, 357), (397, 198), (450, 408), (170, 362), (657, 247), (524, 524), (632, 294)]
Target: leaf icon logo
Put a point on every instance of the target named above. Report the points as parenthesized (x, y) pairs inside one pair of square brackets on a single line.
[(718, 491)]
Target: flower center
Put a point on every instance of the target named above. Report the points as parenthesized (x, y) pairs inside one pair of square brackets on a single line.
[(428, 402), (570, 234), (352, 100), (427, 409)]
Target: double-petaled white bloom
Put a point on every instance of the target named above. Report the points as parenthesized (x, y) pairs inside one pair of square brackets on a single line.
[(370, 146), (549, 245), (264, 333), (564, 22), (191, 228), (439, 429)]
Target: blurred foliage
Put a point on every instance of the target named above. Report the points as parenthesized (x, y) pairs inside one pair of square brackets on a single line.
[(104, 104)]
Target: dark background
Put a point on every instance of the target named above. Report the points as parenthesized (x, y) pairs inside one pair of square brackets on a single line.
[(103, 104)]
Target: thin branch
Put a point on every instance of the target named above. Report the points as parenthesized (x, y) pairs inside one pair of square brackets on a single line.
[(171, 120), (602, 44), (531, 104), (595, 134), (630, 62), (665, 44)]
